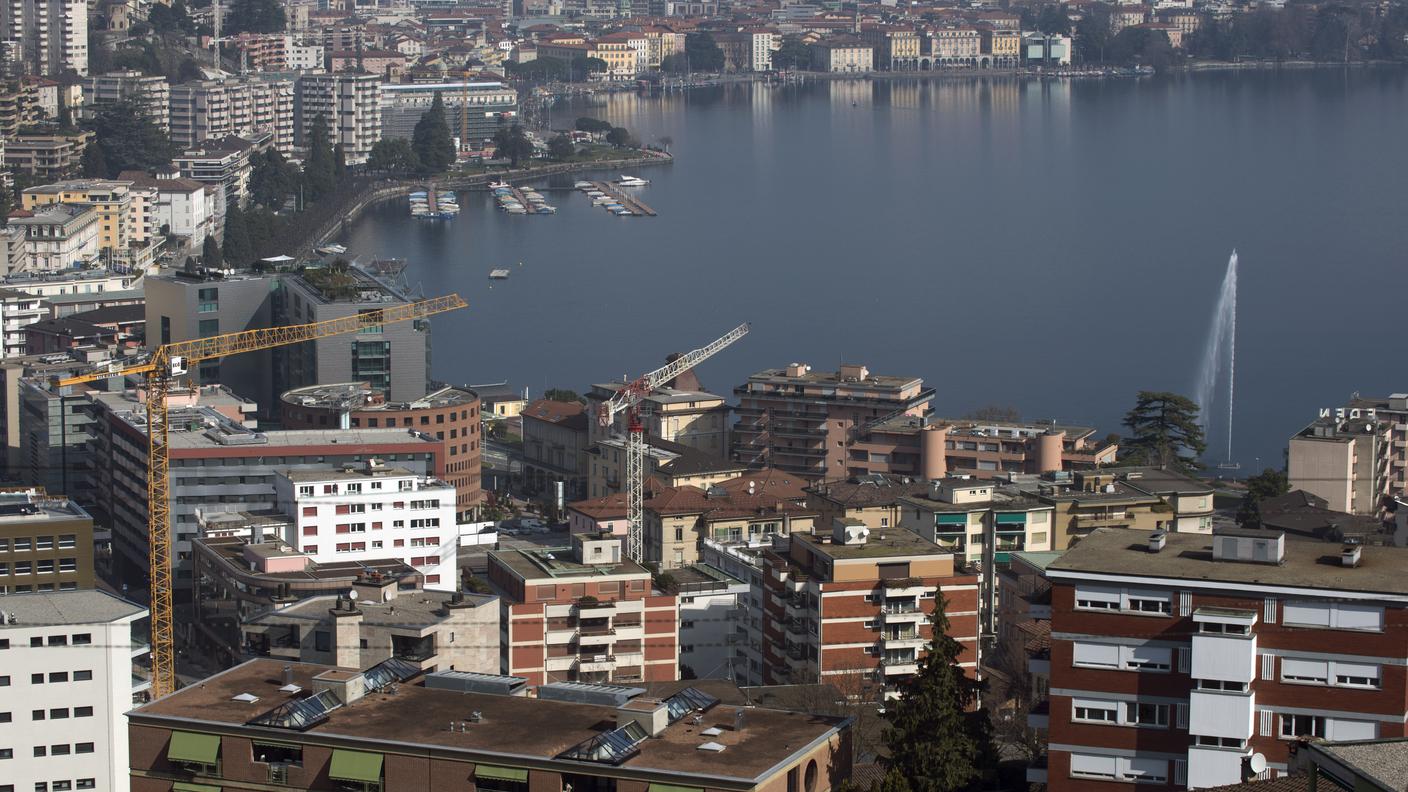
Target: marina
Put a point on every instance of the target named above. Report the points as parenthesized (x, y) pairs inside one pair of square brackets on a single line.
[(613, 200), (514, 200), (432, 204)]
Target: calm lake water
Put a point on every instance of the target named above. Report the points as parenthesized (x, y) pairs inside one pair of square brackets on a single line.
[(1050, 246)]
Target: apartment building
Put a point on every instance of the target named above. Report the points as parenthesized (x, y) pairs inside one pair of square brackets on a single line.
[(1002, 47), (70, 674), (681, 412), (896, 48), (712, 603), (1143, 499), (183, 305), (450, 414), (350, 104), (745, 564), (672, 464), (678, 520), (802, 421), (18, 310), (394, 358), (225, 164), (46, 157), (954, 47), (584, 613), (1356, 456), (1177, 660), (851, 608), (981, 520), (556, 463), (46, 543), (386, 728), (473, 110), (58, 237), (19, 107), (152, 94), (184, 207), (374, 511), (218, 464), (431, 630), (126, 214), (47, 37), (247, 108), (843, 55)]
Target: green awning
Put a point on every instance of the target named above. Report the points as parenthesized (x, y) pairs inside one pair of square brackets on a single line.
[(673, 788), (950, 519), (355, 766), (495, 773), (1020, 517), (187, 786), (193, 747)]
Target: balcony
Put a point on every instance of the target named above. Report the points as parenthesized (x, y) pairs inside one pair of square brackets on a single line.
[(1214, 767), (1036, 773), (1228, 658), (555, 637), (1101, 519), (1040, 716), (909, 639), (595, 609), (593, 663), (1213, 713), (560, 662), (140, 647), (901, 668), (1039, 665)]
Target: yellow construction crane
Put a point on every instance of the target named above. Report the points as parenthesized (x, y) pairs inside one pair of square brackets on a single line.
[(166, 363)]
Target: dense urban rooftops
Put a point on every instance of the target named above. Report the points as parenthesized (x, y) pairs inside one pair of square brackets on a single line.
[(1187, 556), (360, 396), (509, 729), (410, 610)]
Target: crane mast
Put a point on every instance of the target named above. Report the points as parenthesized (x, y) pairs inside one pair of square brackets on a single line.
[(165, 364), (627, 399)]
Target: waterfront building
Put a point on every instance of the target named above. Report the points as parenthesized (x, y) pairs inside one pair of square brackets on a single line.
[(46, 37), (896, 48), (1175, 660), (1002, 48), (762, 44), (851, 608), (954, 47), (480, 108), (70, 674), (46, 543), (374, 511), (450, 414), (584, 613), (350, 104), (801, 421), (1356, 456), (394, 359), (842, 55), (384, 728), (152, 94)]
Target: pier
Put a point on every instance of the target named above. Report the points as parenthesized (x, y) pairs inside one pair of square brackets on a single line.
[(637, 207)]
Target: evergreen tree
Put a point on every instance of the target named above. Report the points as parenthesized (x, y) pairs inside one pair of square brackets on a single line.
[(210, 252), (94, 165), (6, 204), (394, 155), (129, 140), (431, 139), (934, 745), (1164, 432), (254, 16), (272, 179), (339, 162), (703, 52), (561, 147), (512, 142), (238, 251), (320, 169)]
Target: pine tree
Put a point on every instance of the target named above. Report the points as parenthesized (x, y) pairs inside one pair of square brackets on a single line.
[(210, 251), (238, 251), (320, 170), (933, 743), (1164, 432), (94, 164), (431, 138)]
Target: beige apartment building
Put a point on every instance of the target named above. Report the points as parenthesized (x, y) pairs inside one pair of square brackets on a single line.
[(1142, 499), (1002, 48), (682, 412), (671, 464), (126, 213), (845, 55), (1355, 456), (923, 446), (679, 519), (896, 48)]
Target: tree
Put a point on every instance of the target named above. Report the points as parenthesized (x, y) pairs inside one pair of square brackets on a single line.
[(94, 164), (933, 744), (792, 54), (320, 169), (512, 142), (393, 155), (6, 204), (1053, 19), (238, 250), (129, 140), (1269, 483), (562, 395), (1093, 35), (272, 179), (254, 16), (591, 125), (210, 252), (431, 139), (1164, 432), (560, 147), (619, 137), (703, 53), (675, 63), (339, 162)]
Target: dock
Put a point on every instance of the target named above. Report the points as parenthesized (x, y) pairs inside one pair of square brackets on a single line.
[(637, 207)]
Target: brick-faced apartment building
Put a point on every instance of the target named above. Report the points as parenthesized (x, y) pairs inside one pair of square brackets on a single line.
[(583, 614), (852, 607), (1176, 658)]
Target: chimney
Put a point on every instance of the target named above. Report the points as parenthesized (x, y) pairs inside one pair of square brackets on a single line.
[(1350, 555), (1157, 540), (287, 676)]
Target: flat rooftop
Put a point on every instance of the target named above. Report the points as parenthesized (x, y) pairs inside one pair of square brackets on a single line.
[(883, 543), (560, 562), (1308, 564), (230, 549), (360, 397), (409, 610), (67, 607), (32, 506), (513, 729), (781, 377)]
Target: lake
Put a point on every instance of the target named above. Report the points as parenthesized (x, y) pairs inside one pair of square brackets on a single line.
[(1051, 246)]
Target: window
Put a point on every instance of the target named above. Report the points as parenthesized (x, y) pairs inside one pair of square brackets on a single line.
[(58, 676), (5, 681), (1333, 615), (1328, 672), (83, 747), (82, 712), (59, 750), (36, 679), (1131, 601), (58, 713), (1139, 714), (1223, 685), (1087, 711), (40, 750), (36, 714), (322, 641), (1293, 726), (82, 676), (43, 543), (208, 327), (1088, 766), (1315, 672), (1125, 658), (87, 783), (68, 541), (82, 639), (1355, 674)]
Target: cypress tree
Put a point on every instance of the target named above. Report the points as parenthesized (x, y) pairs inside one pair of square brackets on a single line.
[(933, 743), (239, 250), (431, 139), (320, 171)]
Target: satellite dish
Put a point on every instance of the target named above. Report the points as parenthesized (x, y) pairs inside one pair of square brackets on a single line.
[(1257, 763)]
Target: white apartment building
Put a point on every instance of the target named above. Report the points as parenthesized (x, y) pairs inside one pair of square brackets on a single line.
[(765, 42), (18, 310), (46, 36), (373, 512), (305, 57), (58, 237), (66, 682), (244, 108), (351, 106), (151, 93)]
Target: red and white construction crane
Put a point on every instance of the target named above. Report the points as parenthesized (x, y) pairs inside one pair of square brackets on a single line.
[(628, 400)]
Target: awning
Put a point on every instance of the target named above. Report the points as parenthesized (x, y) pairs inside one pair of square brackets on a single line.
[(187, 786), (494, 773), (1010, 519), (355, 766), (673, 788), (193, 747)]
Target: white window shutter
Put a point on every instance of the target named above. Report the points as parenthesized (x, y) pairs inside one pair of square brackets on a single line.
[(1185, 603), (1180, 772), (1268, 723), (1181, 715), (1185, 660), (1268, 610), (1268, 666)]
